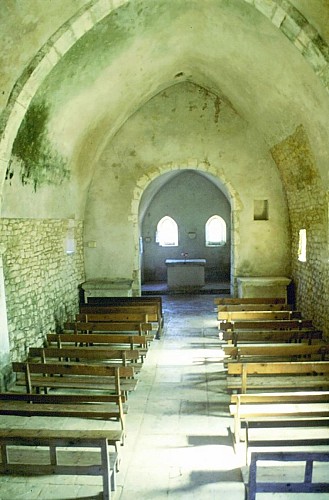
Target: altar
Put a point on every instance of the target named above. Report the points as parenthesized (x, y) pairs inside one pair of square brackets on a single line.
[(185, 273)]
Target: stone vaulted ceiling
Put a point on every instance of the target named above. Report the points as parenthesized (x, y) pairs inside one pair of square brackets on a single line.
[(79, 70)]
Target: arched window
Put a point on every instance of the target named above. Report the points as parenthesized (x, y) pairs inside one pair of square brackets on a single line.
[(215, 231), (167, 232)]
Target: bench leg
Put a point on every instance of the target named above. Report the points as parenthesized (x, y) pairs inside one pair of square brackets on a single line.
[(106, 470), (252, 479)]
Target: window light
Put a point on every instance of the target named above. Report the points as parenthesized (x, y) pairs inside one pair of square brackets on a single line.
[(167, 232), (302, 245), (215, 231)]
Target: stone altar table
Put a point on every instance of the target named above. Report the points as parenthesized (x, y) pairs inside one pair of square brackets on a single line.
[(185, 273), (105, 287)]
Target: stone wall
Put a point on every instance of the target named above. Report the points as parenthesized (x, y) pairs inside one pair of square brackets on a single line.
[(308, 206), (41, 277)]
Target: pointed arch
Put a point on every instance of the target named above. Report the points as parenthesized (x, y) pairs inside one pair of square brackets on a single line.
[(215, 231), (167, 232)]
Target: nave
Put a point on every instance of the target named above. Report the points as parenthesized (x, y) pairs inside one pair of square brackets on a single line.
[(178, 443)]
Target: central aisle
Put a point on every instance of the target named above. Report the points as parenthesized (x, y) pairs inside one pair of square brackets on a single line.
[(178, 445)]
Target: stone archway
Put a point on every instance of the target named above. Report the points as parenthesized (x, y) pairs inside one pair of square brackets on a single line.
[(215, 175)]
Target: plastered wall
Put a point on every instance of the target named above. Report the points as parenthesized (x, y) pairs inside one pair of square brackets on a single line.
[(182, 123)]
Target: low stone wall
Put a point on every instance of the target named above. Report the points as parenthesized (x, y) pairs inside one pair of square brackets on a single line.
[(43, 266)]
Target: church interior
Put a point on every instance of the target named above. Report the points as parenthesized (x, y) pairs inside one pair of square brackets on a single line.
[(175, 151)]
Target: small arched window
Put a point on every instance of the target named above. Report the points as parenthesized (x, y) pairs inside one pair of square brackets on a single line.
[(215, 231), (167, 232)]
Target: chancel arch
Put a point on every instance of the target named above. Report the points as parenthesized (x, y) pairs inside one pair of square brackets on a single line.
[(189, 198)]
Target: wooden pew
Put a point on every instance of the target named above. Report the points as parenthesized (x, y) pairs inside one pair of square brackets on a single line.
[(283, 324), (248, 300), (84, 405), (277, 409), (273, 336), (276, 352), (257, 315), (44, 376), (99, 340), (152, 306), (117, 317), (111, 327), (243, 377), (111, 357), (254, 307), (307, 485), (61, 457)]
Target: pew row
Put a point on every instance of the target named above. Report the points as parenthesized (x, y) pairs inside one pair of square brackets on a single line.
[(110, 327), (115, 317), (243, 377), (254, 307), (308, 484), (276, 352), (110, 357), (88, 405), (85, 377), (283, 324), (259, 336), (152, 306), (98, 340), (276, 410), (61, 453), (257, 315)]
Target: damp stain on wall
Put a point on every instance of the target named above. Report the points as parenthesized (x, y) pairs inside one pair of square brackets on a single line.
[(39, 161)]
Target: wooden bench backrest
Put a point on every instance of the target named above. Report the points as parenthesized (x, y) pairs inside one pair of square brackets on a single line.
[(281, 397), (254, 307), (61, 404), (257, 315), (68, 369), (249, 300), (279, 368), (151, 310), (122, 301), (113, 317), (73, 369), (275, 350), (84, 353), (97, 338), (283, 324), (60, 399), (123, 326), (245, 370), (272, 336)]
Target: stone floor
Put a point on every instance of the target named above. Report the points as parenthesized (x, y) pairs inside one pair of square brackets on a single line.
[(178, 442)]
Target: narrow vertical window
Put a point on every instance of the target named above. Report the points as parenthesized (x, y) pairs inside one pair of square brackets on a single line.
[(215, 231), (302, 245), (167, 232)]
